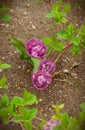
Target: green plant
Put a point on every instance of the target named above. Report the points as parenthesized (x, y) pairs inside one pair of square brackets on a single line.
[(16, 109), (64, 121), (4, 16), (58, 14)]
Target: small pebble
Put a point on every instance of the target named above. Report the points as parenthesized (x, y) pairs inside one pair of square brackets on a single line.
[(11, 10), (74, 75), (7, 25), (3, 24), (45, 114), (66, 71), (40, 99), (24, 13), (33, 26), (28, 5)]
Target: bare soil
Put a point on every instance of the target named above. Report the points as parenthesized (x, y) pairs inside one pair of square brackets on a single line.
[(28, 21)]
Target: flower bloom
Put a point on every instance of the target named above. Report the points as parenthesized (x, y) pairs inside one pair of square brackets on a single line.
[(35, 48), (41, 80), (51, 124), (47, 66)]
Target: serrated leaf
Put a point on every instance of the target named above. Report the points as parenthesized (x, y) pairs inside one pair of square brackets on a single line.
[(47, 40), (70, 29), (67, 7), (5, 17), (26, 114), (4, 101), (18, 101), (63, 20), (5, 66), (28, 125), (29, 98), (59, 46), (63, 35), (75, 40), (76, 50)]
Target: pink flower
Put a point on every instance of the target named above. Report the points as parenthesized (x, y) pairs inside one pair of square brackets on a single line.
[(41, 80), (47, 66), (51, 124), (35, 48)]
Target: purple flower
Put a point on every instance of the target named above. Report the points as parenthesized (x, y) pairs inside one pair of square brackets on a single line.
[(51, 124), (47, 66), (35, 48), (41, 80)]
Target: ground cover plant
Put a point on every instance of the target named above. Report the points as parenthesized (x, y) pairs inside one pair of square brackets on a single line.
[(44, 54), (37, 51)]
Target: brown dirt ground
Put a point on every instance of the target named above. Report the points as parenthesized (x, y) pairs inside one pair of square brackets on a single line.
[(28, 21)]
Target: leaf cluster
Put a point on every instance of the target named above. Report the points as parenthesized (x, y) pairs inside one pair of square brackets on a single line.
[(59, 12), (4, 16)]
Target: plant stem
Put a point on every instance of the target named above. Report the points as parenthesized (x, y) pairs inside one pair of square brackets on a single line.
[(39, 118), (56, 73), (61, 53)]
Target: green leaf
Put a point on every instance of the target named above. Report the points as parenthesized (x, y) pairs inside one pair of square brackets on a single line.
[(82, 116), (58, 127), (67, 7), (63, 35), (76, 50), (70, 29), (28, 125), (59, 46), (4, 101), (42, 124), (75, 40), (49, 15), (5, 17), (77, 4), (5, 66), (29, 98), (26, 114), (58, 6), (63, 20), (58, 108), (82, 106), (83, 29), (4, 8), (65, 119), (47, 40), (21, 48), (5, 119), (18, 101), (2, 81), (74, 124)]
